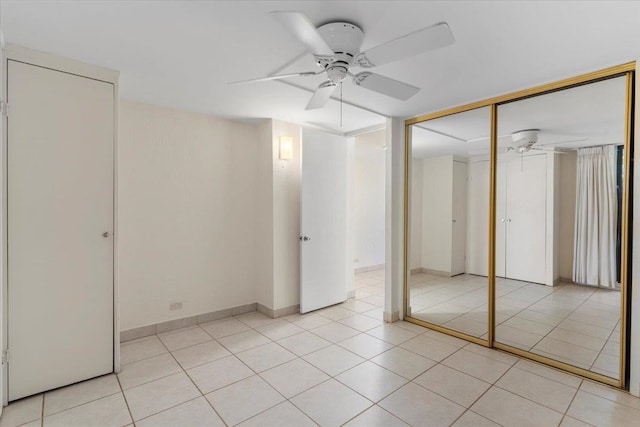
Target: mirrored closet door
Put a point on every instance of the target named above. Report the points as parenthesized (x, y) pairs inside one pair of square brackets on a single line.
[(517, 228), (449, 218), (558, 224)]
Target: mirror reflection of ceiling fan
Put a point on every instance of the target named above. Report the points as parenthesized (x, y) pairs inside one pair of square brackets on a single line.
[(336, 48), (525, 140), (521, 141)]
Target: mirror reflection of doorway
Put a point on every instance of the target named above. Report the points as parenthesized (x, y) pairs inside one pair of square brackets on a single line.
[(368, 218)]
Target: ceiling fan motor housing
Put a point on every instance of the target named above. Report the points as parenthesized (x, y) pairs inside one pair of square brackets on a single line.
[(525, 138), (345, 40)]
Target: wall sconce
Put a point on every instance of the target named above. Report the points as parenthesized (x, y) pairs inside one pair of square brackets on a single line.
[(286, 148)]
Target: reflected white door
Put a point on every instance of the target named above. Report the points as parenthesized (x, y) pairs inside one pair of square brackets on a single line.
[(478, 218), (526, 218), (501, 219), (323, 221), (60, 202), (459, 226)]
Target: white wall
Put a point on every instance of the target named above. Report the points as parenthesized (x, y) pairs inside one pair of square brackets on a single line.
[(634, 345), (263, 241), (394, 220), (415, 215), (3, 344), (369, 198), (351, 226), (187, 213), (437, 175), (286, 218)]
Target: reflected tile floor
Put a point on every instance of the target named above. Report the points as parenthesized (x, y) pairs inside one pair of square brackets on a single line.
[(264, 372), (575, 324)]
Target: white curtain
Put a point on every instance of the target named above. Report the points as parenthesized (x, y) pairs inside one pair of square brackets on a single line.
[(594, 254)]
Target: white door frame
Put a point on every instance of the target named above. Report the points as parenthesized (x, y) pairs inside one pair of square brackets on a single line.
[(17, 53)]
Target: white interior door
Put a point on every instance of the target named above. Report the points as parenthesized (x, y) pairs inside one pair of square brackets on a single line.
[(459, 210), (501, 219), (526, 218), (60, 202), (323, 220), (478, 218)]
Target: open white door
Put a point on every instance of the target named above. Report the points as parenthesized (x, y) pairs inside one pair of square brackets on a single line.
[(323, 220)]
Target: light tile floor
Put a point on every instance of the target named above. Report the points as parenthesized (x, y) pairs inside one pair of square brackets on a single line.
[(575, 324), (307, 370)]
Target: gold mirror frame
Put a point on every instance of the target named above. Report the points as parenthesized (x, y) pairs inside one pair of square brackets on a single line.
[(627, 70)]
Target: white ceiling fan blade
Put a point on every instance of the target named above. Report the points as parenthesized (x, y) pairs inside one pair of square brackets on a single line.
[(549, 150), (301, 27), (421, 41), (321, 95), (567, 141), (385, 85), (278, 77)]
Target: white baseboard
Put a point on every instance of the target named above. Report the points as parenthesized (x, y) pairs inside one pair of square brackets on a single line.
[(157, 328), (369, 268), (274, 314)]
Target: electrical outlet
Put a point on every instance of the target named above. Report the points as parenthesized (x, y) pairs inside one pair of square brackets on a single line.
[(175, 306)]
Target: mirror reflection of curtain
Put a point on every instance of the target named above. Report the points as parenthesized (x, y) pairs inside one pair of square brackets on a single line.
[(594, 260)]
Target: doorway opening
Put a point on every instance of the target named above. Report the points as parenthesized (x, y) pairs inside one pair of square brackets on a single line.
[(367, 203)]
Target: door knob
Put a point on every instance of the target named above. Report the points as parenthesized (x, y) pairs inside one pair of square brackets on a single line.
[(105, 234), (454, 220), (305, 238)]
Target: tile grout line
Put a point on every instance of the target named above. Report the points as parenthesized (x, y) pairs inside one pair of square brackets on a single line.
[(459, 371), (330, 377), (191, 380), (126, 402), (167, 409), (538, 300), (558, 327), (482, 395), (261, 378), (571, 402), (604, 345), (80, 404), (42, 412), (624, 393)]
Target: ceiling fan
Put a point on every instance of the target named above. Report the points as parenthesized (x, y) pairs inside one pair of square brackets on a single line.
[(522, 141), (525, 140), (336, 48)]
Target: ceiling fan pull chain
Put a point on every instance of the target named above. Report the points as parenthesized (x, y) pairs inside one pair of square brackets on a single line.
[(340, 104)]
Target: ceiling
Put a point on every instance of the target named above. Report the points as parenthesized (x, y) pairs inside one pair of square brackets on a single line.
[(582, 116), (182, 54)]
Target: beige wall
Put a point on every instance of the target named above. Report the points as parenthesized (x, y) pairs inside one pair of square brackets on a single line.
[(187, 213)]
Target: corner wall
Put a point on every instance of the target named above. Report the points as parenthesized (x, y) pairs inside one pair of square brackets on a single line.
[(187, 213)]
